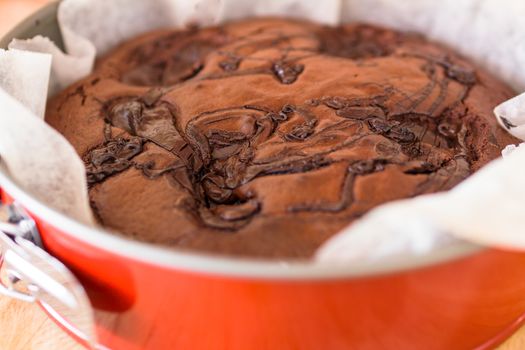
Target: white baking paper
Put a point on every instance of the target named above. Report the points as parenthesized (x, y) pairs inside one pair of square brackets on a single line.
[(486, 31), (41, 160)]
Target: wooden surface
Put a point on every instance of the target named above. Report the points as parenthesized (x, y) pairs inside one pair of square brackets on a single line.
[(26, 327)]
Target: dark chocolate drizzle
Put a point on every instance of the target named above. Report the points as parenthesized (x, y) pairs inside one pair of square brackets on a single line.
[(111, 158), (184, 59), (287, 72)]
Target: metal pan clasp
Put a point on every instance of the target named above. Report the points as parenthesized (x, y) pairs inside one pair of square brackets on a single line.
[(29, 273)]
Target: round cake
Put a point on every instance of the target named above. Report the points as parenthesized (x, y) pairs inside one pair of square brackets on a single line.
[(264, 137)]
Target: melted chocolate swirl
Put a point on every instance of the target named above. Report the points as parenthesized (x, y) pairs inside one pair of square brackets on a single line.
[(266, 137)]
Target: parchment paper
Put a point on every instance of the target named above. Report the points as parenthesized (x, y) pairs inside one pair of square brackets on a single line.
[(483, 209)]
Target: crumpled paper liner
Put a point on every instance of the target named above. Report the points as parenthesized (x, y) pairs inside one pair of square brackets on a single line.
[(42, 161), (511, 116), (35, 154), (483, 209)]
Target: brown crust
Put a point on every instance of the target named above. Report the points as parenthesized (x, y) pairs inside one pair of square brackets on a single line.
[(265, 137)]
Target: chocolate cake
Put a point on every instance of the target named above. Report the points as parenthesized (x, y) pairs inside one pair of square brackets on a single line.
[(265, 137)]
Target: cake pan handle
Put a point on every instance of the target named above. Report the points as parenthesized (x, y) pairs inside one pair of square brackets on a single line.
[(30, 274)]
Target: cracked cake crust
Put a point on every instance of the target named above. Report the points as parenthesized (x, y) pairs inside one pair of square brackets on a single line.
[(264, 137)]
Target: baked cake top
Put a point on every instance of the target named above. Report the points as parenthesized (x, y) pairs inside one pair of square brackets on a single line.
[(264, 137)]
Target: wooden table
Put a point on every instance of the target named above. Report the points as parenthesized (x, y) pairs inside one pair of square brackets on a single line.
[(26, 327)]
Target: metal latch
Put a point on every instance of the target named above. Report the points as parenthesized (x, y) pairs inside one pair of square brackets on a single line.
[(29, 273)]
